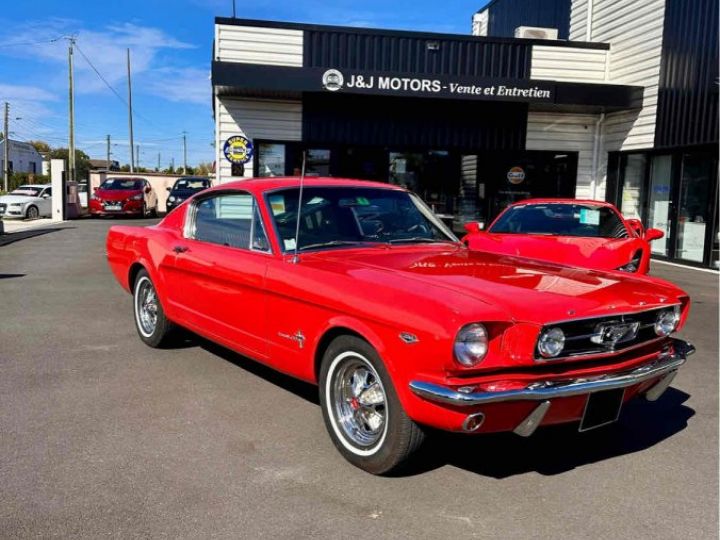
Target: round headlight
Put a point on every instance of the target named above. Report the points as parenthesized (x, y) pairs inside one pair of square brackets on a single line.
[(667, 321), (551, 342), (471, 344), (171, 198)]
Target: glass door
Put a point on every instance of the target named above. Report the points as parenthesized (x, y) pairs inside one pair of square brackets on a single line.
[(659, 202), (696, 207)]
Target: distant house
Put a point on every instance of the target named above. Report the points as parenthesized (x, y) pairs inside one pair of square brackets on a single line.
[(22, 157), (102, 164)]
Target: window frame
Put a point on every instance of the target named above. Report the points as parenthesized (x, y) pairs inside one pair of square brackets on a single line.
[(189, 227)]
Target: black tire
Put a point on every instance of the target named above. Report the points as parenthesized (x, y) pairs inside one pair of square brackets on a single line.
[(32, 212), (157, 333), (397, 439)]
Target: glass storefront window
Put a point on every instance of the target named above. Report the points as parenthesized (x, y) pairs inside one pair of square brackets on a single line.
[(659, 198), (693, 210), (632, 186), (271, 159)]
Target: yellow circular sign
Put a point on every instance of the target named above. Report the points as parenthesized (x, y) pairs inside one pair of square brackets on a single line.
[(238, 149)]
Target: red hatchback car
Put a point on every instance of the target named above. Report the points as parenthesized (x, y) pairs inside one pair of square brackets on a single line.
[(124, 196), (357, 287), (589, 234)]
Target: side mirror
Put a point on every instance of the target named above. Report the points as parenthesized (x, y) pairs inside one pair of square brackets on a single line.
[(637, 226), (168, 188), (95, 188), (473, 227), (46, 196), (653, 234), (147, 190)]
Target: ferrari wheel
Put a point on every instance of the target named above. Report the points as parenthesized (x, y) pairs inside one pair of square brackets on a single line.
[(152, 325), (362, 412)]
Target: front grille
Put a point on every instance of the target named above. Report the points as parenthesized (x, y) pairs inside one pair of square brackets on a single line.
[(585, 336)]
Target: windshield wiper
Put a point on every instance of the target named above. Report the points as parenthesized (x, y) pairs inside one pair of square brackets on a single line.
[(419, 239), (331, 243)]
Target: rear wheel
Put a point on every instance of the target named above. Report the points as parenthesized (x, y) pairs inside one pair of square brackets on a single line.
[(362, 412), (32, 212), (150, 321)]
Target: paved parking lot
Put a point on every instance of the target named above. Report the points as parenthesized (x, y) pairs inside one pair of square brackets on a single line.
[(103, 436)]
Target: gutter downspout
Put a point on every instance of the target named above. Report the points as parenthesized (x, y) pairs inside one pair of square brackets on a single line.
[(596, 155), (588, 21)]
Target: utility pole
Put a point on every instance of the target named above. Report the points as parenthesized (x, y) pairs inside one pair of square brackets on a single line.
[(71, 112), (137, 155), (172, 164), (184, 152), (108, 153), (6, 147), (158, 167), (130, 120)]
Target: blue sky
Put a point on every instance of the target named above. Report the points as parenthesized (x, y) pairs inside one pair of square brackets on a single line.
[(170, 44)]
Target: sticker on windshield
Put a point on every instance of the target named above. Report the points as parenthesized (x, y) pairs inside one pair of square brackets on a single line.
[(277, 203), (589, 216), (289, 243), (362, 201)]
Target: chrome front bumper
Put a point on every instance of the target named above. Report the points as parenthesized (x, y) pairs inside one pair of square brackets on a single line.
[(666, 365)]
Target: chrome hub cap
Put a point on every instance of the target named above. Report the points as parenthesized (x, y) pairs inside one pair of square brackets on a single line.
[(146, 304), (359, 402)]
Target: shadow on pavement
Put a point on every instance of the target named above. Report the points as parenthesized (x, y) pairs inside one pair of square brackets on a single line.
[(551, 450), (10, 276), (9, 238)]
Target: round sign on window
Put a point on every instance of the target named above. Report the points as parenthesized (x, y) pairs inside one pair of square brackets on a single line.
[(238, 149), (332, 80), (516, 175)]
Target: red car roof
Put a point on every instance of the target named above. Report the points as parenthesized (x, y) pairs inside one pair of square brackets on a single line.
[(563, 201), (275, 182)]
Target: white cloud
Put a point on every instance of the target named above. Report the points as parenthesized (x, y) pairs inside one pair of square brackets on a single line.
[(180, 84)]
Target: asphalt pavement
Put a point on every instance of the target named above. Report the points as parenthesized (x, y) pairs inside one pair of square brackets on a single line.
[(101, 436)]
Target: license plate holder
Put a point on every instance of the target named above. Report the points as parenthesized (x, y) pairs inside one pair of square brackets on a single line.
[(602, 408), (113, 207)]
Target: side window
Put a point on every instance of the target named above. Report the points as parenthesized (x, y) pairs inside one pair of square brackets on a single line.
[(230, 219), (48, 192)]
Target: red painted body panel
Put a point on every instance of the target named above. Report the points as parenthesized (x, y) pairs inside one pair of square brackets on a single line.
[(583, 252), (123, 195), (251, 302)]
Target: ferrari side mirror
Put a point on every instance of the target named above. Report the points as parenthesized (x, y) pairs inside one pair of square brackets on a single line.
[(473, 227), (653, 234)]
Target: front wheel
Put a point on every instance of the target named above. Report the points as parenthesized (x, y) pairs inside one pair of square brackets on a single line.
[(150, 321), (32, 212), (362, 412)]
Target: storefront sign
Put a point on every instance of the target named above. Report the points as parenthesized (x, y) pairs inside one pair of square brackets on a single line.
[(516, 175), (334, 80), (238, 150)]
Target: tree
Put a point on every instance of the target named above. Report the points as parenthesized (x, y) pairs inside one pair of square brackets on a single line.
[(41, 146), (82, 161), (204, 169)]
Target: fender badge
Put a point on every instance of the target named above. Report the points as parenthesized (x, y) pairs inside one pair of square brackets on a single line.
[(408, 338), (298, 337)]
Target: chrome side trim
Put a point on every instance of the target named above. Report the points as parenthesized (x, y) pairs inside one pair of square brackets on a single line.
[(669, 360), (528, 426)]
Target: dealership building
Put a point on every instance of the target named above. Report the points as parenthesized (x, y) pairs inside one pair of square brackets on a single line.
[(602, 99)]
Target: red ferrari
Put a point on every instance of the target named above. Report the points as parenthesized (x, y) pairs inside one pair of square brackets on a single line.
[(589, 234), (359, 288)]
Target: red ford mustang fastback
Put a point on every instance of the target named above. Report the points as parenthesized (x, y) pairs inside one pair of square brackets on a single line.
[(367, 294), (590, 234)]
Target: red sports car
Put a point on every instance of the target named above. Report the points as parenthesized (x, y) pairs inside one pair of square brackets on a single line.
[(124, 196), (357, 287), (590, 234)]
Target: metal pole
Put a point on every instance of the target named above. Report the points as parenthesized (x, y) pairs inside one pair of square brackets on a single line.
[(130, 119), (158, 167), (184, 152), (137, 155), (108, 153), (6, 147), (71, 112)]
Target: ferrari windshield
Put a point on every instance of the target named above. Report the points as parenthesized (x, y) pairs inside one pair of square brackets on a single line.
[(121, 184), (347, 216), (561, 219)]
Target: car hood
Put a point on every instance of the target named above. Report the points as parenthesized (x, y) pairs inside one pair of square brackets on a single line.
[(22, 199), (526, 290), (116, 194), (598, 253)]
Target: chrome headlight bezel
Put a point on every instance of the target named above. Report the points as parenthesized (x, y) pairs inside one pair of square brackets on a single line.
[(551, 342), (136, 197), (667, 321), (471, 344)]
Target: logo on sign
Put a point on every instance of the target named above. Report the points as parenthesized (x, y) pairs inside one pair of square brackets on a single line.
[(516, 175), (238, 150), (333, 80)]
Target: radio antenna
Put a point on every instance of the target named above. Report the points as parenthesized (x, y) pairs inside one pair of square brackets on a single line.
[(296, 257)]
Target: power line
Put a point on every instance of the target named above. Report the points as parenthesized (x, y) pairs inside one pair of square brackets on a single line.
[(100, 75), (53, 40)]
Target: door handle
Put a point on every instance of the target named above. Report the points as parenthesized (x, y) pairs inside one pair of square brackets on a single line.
[(180, 249)]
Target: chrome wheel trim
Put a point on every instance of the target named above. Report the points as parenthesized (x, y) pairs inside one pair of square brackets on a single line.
[(146, 306), (357, 403)]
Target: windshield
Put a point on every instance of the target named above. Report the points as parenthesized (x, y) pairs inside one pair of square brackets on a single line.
[(27, 191), (345, 216), (121, 184), (191, 184), (563, 219)]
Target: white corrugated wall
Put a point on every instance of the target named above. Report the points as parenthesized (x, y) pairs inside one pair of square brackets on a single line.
[(258, 45), (278, 120)]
